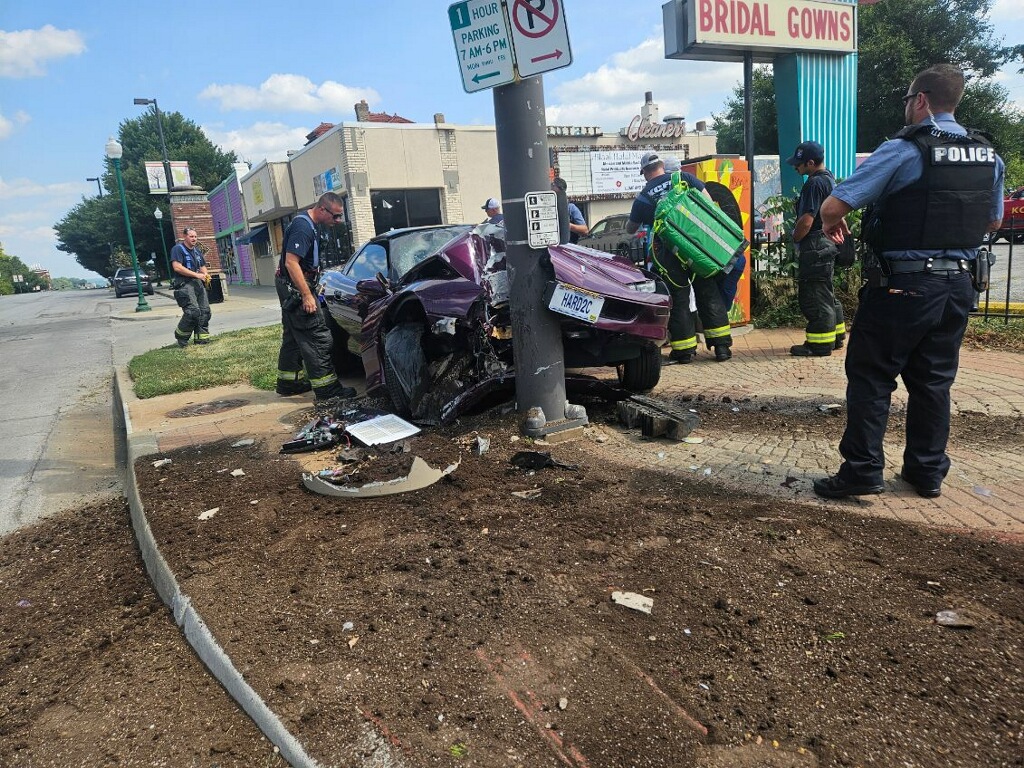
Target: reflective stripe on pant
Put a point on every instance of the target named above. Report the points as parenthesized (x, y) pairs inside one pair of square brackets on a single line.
[(914, 334), (306, 341), (817, 297), (195, 306), (292, 377), (682, 329)]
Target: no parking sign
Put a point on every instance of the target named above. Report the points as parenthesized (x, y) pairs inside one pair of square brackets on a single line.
[(540, 37)]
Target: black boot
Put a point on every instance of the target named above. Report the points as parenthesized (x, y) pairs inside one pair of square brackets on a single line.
[(289, 388)]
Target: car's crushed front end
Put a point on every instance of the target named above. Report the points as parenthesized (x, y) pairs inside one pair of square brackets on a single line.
[(440, 338)]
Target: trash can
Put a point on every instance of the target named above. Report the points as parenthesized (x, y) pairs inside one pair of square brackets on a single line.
[(217, 289)]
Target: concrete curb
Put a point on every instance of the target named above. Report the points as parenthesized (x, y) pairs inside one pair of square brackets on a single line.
[(197, 634)]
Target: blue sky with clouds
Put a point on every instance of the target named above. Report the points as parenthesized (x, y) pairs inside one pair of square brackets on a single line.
[(259, 76)]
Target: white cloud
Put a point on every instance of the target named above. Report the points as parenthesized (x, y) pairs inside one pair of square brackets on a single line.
[(1005, 11), (260, 141), (7, 126), (290, 93), (612, 94), (21, 188), (25, 53)]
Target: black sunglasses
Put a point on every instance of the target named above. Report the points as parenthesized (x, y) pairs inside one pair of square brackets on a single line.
[(909, 96), (335, 216)]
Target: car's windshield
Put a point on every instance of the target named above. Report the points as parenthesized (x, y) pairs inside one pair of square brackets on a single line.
[(409, 249)]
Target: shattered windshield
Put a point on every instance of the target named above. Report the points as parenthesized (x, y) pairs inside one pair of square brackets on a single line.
[(409, 249)]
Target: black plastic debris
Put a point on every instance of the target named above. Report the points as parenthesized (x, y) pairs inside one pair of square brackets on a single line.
[(538, 460)]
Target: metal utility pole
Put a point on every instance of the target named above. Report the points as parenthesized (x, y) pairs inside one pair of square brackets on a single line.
[(163, 144), (536, 332), (748, 127), (99, 189)]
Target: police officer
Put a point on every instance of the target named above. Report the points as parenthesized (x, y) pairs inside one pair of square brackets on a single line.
[(936, 189), (826, 326), (306, 340), (189, 284), (681, 327)]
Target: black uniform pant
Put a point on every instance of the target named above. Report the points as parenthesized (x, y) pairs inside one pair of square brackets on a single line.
[(912, 328), (195, 311), (714, 315), (306, 341), (825, 321)]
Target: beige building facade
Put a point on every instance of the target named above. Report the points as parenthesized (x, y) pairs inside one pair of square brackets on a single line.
[(393, 173)]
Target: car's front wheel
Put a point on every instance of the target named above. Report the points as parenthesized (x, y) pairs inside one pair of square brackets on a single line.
[(150, 291), (641, 373), (405, 366)]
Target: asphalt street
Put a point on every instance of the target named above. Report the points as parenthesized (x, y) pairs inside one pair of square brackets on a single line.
[(59, 350)]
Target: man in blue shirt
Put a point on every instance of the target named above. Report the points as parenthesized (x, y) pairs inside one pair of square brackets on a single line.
[(577, 224), (304, 360), (681, 328), (826, 328), (936, 190), (493, 209), (189, 284)]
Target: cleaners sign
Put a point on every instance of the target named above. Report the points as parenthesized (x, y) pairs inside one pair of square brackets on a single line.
[(768, 25)]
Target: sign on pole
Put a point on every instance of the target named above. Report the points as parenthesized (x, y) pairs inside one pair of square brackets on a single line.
[(481, 44), (539, 36), (541, 219)]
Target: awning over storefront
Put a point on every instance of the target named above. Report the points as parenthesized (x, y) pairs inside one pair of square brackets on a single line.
[(258, 235)]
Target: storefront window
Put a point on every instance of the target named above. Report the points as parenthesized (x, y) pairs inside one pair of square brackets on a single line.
[(397, 208)]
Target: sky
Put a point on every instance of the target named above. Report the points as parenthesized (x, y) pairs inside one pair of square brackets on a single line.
[(257, 77)]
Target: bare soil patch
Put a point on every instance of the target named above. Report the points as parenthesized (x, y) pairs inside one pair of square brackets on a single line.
[(465, 625), (93, 670)]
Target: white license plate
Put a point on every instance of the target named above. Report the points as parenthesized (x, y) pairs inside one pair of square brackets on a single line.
[(577, 304)]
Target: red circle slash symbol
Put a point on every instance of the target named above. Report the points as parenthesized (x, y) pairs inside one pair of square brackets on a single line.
[(524, 11)]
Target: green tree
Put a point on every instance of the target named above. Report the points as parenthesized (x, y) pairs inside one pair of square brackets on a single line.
[(897, 40), (93, 231), (12, 265), (730, 124)]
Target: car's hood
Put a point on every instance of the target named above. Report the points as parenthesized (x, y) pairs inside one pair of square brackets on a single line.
[(479, 257), (604, 273)]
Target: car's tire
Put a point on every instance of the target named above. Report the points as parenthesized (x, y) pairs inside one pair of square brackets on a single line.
[(117, 294), (641, 373), (405, 366), (150, 291)]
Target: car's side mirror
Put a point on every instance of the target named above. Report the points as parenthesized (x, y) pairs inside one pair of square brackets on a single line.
[(374, 288)]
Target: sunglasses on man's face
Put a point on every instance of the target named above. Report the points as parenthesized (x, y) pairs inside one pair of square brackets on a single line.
[(333, 215), (910, 96)]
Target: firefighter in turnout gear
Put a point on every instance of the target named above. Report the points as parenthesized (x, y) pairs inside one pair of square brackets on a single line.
[(304, 361), (681, 326), (935, 190), (826, 326), (190, 280)]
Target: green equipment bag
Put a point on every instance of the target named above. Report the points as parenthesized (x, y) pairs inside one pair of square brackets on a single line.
[(695, 233)]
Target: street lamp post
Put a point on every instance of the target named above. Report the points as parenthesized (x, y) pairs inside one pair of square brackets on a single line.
[(97, 180), (114, 152), (163, 146), (159, 216)]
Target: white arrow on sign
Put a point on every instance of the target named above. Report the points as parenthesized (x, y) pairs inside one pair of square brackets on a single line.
[(539, 36), (482, 44)]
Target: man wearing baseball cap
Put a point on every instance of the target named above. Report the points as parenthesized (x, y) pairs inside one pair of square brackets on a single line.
[(493, 209), (682, 330), (826, 326)]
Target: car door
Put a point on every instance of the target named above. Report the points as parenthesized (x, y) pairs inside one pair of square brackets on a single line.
[(342, 296)]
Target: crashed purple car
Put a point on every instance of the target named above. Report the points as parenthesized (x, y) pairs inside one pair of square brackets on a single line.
[(426, 311)]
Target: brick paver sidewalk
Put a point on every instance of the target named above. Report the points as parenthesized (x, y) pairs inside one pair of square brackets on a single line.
[(984, 490)]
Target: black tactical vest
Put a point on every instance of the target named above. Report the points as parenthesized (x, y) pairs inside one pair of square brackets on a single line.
[(950, 205)]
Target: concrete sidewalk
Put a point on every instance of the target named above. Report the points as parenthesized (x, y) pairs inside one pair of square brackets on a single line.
[(984, 491)]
